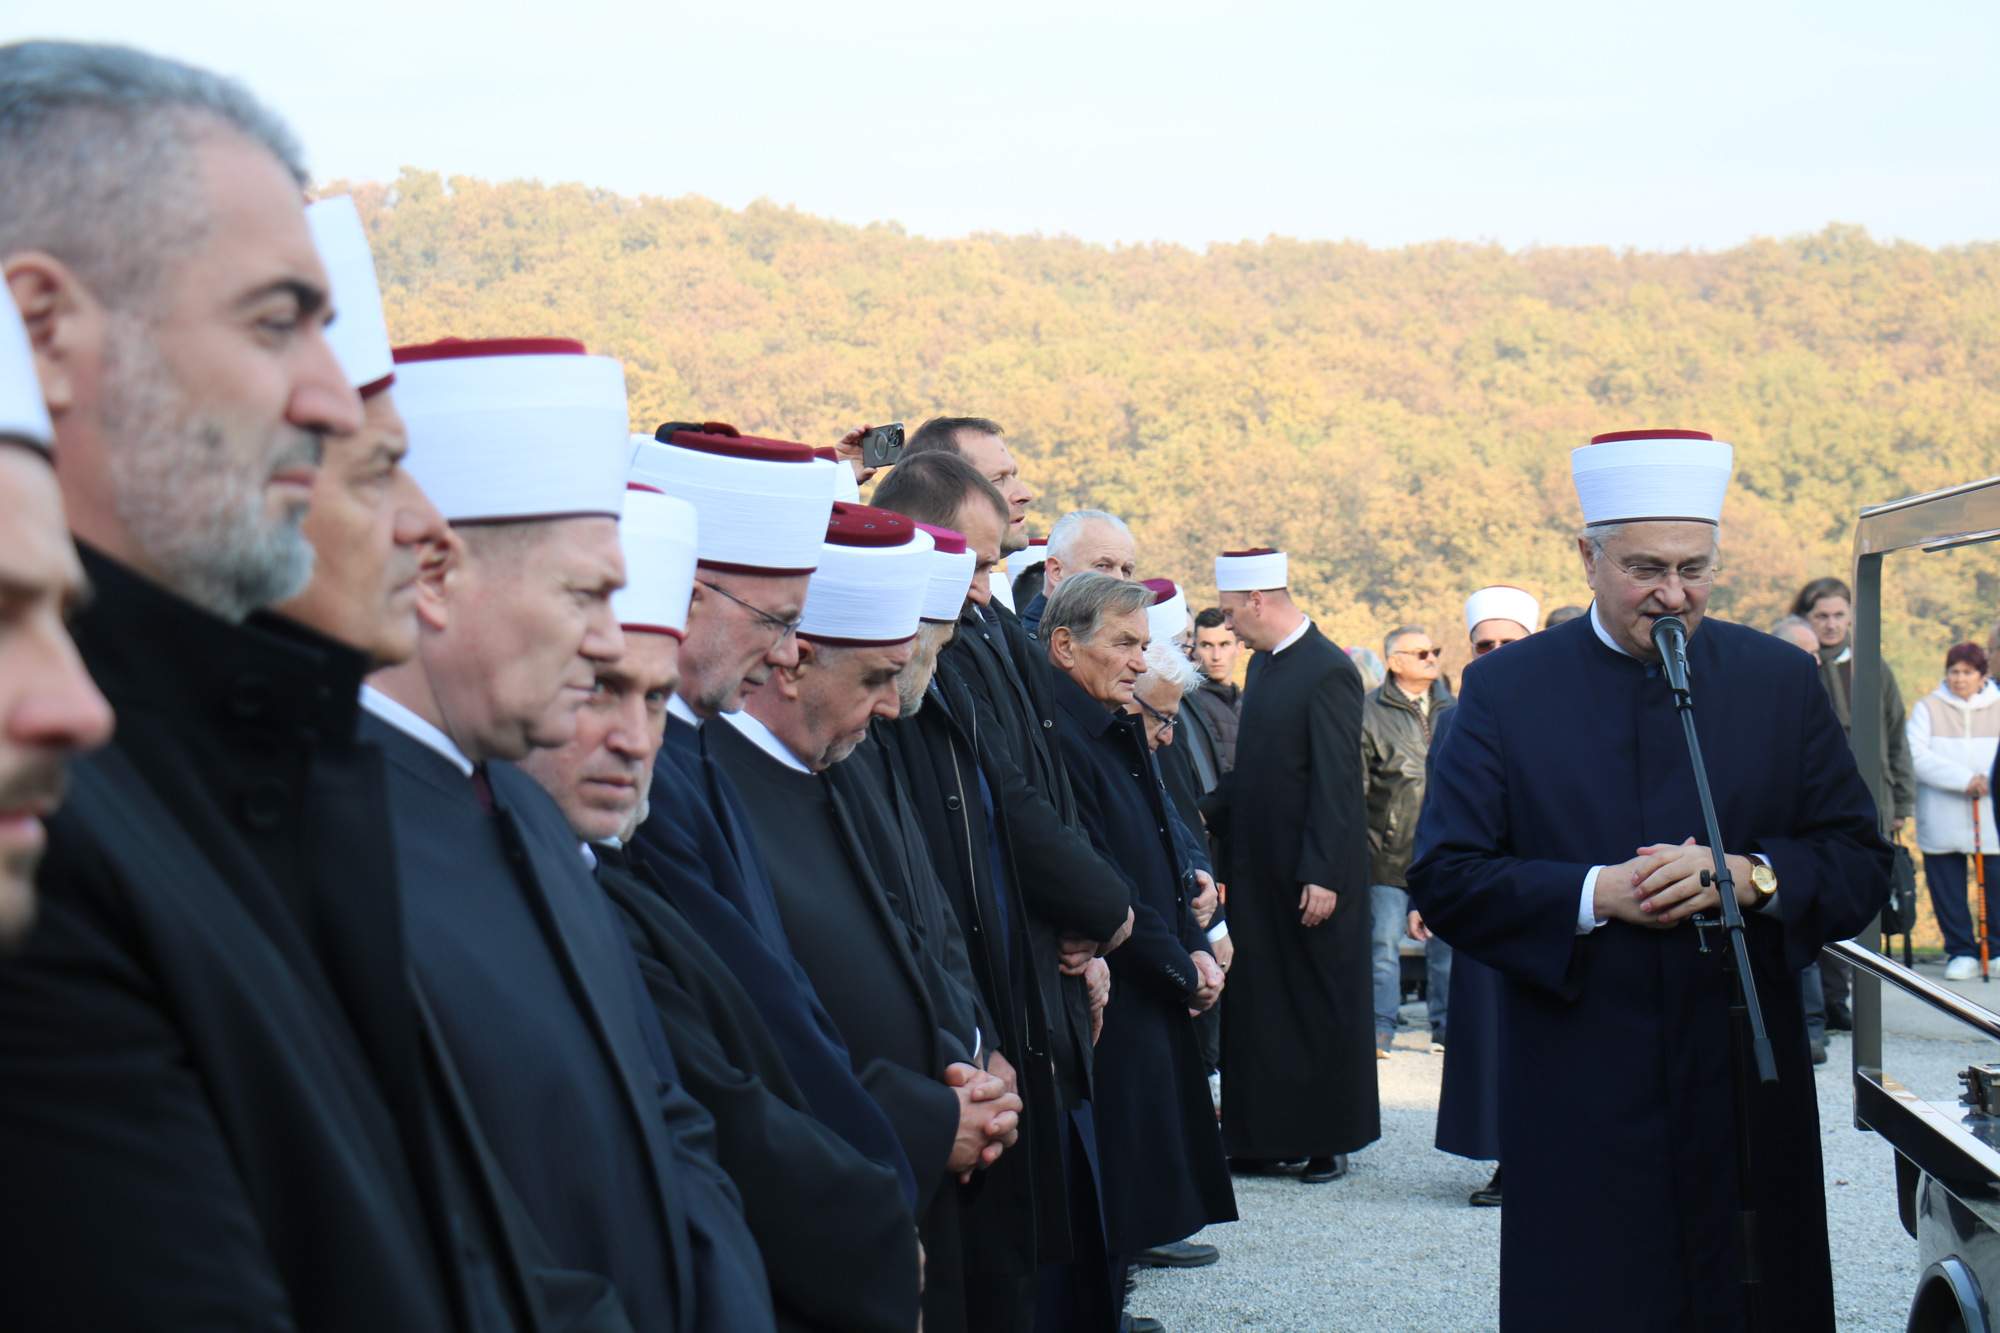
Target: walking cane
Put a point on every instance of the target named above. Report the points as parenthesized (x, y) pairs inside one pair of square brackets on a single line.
[(1979, 879)]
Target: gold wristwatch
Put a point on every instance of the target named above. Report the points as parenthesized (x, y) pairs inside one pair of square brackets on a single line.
[(1764, 881)]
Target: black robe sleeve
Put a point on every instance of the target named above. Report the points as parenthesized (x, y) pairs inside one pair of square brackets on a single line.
[(838, 1241), (1337, 803)]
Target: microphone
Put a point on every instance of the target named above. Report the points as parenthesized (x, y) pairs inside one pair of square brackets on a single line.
[(1670, 639)]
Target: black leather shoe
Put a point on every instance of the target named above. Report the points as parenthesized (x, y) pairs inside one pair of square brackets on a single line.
[(1487, 1195), (1839, 1018), (1180, 1254), (1322, 1169)]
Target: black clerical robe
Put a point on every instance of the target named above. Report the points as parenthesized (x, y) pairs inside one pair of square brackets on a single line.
[(1164, 1174), (850, 928), (538, 996), (1615, 1085), (1298, 1044), (705, 862), (836, 1233), (209, 1116)]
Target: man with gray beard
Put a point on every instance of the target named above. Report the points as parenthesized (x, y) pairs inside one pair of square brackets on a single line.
[(186, 1096)]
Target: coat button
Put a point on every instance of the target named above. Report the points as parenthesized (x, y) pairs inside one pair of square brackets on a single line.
[(1047, 723), (263, 805), (951, 803)]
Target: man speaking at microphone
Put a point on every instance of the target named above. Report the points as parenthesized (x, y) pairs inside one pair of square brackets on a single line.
[(1560, 843)]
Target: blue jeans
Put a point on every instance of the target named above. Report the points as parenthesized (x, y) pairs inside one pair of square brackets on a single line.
[(1391, 910), (1812, 998)]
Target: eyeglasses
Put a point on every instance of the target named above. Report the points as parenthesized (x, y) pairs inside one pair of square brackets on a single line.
[(1694, 574), (784, 629), (1485, 646), (1421, 654), (1167, 724)]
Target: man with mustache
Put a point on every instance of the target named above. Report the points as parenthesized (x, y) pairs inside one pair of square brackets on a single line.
[(49, 710), (180, 1054), (520, 964), (864, 918), (837, 1237)]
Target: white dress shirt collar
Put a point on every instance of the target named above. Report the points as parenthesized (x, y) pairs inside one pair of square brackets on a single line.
[(1305, 623), (677, 706), (413, 726), (764, 739)]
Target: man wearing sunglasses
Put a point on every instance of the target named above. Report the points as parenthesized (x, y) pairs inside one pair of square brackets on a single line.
[(1398, 719)]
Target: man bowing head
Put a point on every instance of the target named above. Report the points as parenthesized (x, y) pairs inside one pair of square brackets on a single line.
[(1558, 845)]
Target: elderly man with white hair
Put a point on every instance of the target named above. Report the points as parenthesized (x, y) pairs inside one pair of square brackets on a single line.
[(1086, 539), (1560, 844)]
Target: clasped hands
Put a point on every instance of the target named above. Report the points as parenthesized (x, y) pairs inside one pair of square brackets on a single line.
[(989, 1116), (1662, 886)]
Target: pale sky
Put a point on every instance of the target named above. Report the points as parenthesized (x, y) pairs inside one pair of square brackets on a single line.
[(1530, 122)]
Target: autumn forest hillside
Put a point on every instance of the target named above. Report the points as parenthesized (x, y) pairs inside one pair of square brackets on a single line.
[(1398, 419)]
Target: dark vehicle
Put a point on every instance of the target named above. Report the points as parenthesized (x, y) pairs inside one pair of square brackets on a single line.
[(1947, 1156)]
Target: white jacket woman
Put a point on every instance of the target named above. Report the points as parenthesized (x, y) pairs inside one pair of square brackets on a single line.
[(1952, 741)]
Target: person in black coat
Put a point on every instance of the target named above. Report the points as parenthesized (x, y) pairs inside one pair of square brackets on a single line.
[(192, 1089), (1561, 845), (853, 882), (1164, 1173), (988, 699), (838, 1240), (516, 950)]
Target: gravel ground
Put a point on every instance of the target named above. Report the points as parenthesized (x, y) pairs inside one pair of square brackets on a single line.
[(1394, 1245)]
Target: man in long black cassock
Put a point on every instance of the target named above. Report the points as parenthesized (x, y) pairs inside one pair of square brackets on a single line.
[(1468, 1122), (1164, 1174), (520, 961), (1298, 1050), (1560, 845), (867, 922), (196, 1094), (837, 1237), (1071, 896)]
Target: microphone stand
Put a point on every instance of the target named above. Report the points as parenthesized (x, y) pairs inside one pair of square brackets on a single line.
[(1748, 1041)]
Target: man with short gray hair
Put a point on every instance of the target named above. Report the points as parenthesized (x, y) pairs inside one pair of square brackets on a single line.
[(1088, 539), (197, 1048), (1164, 1174)]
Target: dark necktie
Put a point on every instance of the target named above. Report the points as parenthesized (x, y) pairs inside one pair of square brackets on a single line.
[(482, 790)]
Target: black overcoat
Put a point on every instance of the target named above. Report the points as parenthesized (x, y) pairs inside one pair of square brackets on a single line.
[(837, 1236), (527, 969), (1019, 1217), (205, 1118), (1298, 1027), (1164, 1174), (1615, 1085), (1067, 886), (705, 861)]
